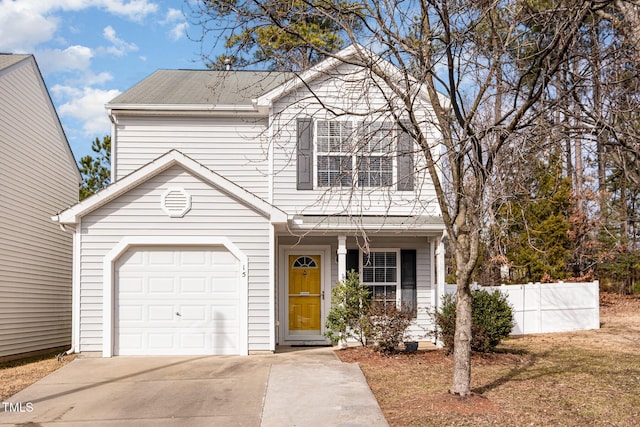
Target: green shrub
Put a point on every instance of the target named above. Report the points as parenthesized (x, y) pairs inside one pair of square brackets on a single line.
[(492, 320), (386, 326), (349, 307), (446, 322)]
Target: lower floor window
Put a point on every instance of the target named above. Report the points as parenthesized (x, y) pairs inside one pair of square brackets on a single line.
[(384, 294), (390, 274), (380, 273)]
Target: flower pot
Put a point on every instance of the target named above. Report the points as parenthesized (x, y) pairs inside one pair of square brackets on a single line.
[(411, 346)]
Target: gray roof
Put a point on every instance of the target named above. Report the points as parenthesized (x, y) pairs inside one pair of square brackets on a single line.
[(176, 87), (8, 59)]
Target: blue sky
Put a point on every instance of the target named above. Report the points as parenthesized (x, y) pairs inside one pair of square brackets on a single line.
[(89, 51)]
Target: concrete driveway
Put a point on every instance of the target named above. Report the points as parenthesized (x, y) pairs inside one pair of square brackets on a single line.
[(309, 387)]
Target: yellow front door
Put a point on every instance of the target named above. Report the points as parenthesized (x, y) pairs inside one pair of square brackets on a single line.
[(305, 296)]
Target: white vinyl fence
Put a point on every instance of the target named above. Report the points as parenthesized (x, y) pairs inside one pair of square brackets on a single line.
[(547, 307)]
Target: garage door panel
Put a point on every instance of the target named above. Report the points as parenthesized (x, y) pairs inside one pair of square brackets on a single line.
[(132, 285), (159, 285), (193, 284), (129, 340), (223, 342), (161, 258), (160, 313), (161, 341), (131, 313), (177, 301), (192, 312), (225, 285), (222, 313), (193, 341)]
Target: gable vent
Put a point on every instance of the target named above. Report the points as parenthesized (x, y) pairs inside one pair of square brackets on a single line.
[(176, 202)]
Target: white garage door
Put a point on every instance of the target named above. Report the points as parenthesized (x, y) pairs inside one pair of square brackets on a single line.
[(177, 301)]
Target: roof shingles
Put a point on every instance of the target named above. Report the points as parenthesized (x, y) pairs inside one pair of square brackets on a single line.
[(197, 87), (8, 59)]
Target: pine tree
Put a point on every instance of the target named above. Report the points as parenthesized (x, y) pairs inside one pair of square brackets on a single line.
[(96, 172)]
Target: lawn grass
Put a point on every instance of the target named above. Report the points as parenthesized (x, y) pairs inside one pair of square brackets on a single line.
[(586, 378), (526, 383), (18, 374)]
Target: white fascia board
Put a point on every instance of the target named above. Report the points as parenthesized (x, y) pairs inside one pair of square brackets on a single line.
[(427, 229), (181, 107), (183, 110), (174, 157), (73, 214)]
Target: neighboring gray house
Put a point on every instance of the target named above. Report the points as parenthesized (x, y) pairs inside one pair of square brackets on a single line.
[(238, 201), (38, 177)]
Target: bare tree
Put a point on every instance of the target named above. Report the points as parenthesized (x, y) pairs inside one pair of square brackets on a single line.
[(484, 66)]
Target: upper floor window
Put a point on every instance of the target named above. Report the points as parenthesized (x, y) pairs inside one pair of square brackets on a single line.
[(336, 153), (375, 166), (334, 141), (346, 155)]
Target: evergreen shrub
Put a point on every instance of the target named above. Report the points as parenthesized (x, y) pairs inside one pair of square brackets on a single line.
[(492, 320)]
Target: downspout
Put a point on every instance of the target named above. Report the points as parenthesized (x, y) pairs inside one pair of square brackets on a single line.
[(114, 138), (273, 250), (74, 280)]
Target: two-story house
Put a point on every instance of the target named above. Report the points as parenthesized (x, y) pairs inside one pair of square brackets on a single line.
[(38, 176), (238, 200)]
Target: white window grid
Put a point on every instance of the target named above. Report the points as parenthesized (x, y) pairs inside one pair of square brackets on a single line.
[(380, 270), (338, 163)]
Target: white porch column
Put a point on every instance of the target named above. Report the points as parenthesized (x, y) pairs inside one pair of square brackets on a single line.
[(440, 276), (342, 257)]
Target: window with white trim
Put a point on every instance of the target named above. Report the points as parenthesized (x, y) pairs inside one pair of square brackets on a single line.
[(375, 165), (334, 141), (363, 156), (380, 271)]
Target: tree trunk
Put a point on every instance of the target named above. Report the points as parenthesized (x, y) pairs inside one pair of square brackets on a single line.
[(462, 341), (462, 338)]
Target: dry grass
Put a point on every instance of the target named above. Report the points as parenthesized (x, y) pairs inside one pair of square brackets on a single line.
[(570, 379), (18, 374)]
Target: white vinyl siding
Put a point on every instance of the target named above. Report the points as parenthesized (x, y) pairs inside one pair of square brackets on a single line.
[(235, 148), (38, 178), (139, 213), (367, 198)]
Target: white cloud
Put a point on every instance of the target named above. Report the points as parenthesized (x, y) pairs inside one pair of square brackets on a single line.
[(173, 15), (119, 47), (24, 24), (179, 25), (136, 10), (97, 79), (72, 58), (179, 31), (23, 28), (87, 106)]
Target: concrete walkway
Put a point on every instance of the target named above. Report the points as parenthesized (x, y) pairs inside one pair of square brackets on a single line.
[(296, 387)]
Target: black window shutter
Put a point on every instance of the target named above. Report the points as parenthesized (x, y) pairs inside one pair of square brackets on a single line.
[(405, 162), (353, 260), (304, 158), (408, 281)]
